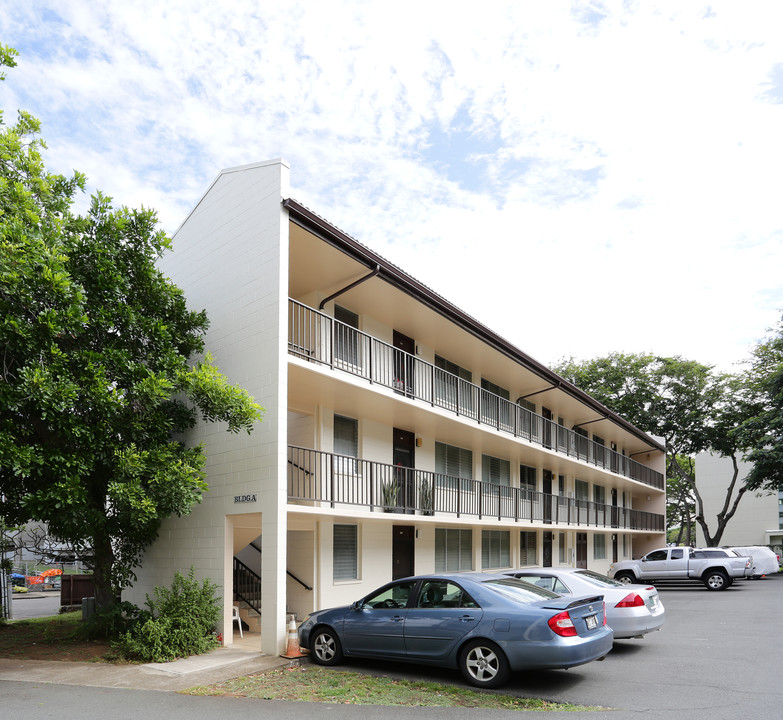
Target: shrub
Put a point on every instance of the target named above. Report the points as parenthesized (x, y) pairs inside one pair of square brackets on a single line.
[(178, 622)]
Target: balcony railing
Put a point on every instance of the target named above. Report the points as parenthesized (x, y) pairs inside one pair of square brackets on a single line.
[(322, 339), (335, 480)]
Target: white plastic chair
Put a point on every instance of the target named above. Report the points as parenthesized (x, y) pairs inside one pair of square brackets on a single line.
[(235, 617)]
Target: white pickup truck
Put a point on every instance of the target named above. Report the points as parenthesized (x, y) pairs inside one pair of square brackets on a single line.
[(717, 568)]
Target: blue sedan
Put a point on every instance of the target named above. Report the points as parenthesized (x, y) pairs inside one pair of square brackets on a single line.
[(487, 625)]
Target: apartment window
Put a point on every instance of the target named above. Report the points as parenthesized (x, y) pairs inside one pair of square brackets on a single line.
[(454, 466), (345, 551), (527, 548), (527, 481), (495, 470), (453, 550), (495, 549), (581, 490), (562, 546), (346, 336), (599, 547), (346, 442), (526, 419), (453, 388), (494, 403), (599, 494), (600, 450)]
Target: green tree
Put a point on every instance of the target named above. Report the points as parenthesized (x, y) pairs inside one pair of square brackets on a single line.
[(687, 404), (102, 368), (763, 432)]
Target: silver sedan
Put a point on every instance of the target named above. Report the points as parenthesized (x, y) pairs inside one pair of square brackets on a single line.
[(631, 610)]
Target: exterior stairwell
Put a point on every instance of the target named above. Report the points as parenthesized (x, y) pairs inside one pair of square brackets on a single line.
[(247, 595)]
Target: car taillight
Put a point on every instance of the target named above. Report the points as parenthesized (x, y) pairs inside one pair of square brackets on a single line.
[(631, 600), (604, 613), (562, 624)]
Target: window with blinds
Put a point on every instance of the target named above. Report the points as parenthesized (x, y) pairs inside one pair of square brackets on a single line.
[(562, 545), (495, 470), (493, 409), (346, 442), (495, 549), (346, 337), (345, 552), (581, 490), (527, 481), (453, 550), (527, 549), (599, 494), (452, 385), (454, 466), (599, 547)]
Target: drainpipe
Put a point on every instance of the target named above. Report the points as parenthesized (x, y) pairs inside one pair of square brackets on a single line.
[(350, 287)]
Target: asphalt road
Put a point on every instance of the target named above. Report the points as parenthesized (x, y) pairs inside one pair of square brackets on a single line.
[(35, 604), (717, 657)]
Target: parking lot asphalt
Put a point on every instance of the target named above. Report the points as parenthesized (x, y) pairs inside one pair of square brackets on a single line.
[(717, 656)]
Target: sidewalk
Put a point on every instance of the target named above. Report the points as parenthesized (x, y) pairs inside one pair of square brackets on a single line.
[(221, 664)]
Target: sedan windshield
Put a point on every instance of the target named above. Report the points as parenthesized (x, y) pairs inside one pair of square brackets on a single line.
[(519, 590), (597, 579)]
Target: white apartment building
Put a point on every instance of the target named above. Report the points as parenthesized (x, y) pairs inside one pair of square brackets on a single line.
[(400, 436), (759, 516)]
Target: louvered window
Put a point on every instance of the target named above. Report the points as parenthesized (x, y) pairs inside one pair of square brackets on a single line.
[(454, 466), (495, 549), (453, 550), (527, 549), (345, 553)]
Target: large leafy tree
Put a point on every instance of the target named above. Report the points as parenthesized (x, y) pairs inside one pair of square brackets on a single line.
[(687, 404), (763, 432), (102, 366)]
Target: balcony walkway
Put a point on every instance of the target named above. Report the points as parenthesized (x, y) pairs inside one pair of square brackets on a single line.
[(333, 480), (319, 338)]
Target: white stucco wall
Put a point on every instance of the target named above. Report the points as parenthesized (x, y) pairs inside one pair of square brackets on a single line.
[(231, 258), (757, 513)]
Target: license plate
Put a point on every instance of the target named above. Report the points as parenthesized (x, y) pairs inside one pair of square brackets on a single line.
[(592, 622)]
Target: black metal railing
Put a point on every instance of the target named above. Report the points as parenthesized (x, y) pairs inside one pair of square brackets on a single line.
[(247, 585), (333, 480), (320, 338)]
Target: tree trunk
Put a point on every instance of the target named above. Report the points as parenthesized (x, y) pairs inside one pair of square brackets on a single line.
[(103, 565)]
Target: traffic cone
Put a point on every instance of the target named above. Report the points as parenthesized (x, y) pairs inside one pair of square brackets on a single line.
[(293, 650)]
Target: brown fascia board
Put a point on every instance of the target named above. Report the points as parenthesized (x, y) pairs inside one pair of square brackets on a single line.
[(332, 235)]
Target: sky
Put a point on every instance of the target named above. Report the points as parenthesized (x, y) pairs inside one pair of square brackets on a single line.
[(581, 177)]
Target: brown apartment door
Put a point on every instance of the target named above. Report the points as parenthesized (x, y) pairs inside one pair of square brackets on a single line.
[(404, 349), (403, 457), (546, 491), (402, 551), (547, 550)]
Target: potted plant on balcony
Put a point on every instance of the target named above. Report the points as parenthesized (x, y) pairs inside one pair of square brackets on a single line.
[(390, 490), (425, 497)]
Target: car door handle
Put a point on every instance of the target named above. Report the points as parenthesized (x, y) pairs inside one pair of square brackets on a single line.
[(467, 618), (397, 618)]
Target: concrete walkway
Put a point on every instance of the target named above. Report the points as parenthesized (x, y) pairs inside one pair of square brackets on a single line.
[(216, 666)]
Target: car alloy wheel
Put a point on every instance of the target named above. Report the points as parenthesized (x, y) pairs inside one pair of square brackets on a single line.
[(326, 647), (483, 664)]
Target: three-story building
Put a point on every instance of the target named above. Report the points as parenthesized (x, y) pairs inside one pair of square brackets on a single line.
[(400, 436)]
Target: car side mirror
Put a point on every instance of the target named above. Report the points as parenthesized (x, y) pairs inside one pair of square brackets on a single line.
[(644, 559)]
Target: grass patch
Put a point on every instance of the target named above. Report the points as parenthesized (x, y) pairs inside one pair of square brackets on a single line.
[(311, 683), (56, 637)]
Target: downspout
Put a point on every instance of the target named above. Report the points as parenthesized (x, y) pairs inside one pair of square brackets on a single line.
[(350, 287)]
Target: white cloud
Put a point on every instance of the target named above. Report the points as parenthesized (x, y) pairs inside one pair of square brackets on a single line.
[(626, 155)]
